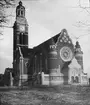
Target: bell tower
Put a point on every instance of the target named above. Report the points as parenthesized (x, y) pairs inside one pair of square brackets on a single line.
[(20, 40), (20, 29)]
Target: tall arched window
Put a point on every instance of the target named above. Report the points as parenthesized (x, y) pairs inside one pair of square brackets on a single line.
[(18, 12), (22, 12), (21, 38), (25, 39)]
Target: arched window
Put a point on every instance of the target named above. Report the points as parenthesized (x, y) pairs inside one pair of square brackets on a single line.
[(25, 39), (22, 13), (18, 13), (21, 38)]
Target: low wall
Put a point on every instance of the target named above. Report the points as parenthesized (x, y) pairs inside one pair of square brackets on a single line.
[(45, 79), (51, 79), (23, 77), (84, 80)]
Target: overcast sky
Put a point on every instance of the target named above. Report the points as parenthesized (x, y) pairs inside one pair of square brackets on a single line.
[(47, 18)]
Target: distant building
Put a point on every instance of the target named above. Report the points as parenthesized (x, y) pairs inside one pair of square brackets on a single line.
[(55, 61), (8, 76), (1, 79)]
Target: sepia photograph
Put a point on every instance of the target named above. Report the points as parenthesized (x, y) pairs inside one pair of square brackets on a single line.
[(44, 52)]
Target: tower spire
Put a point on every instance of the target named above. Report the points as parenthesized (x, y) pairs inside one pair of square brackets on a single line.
[(20, 3)]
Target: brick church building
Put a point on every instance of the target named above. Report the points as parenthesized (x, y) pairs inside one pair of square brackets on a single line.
[(55, 61)]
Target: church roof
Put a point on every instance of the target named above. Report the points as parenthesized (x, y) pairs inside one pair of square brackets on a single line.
[(63, 35), (55, 38)]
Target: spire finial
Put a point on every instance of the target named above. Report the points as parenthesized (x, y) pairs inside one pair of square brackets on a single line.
[(77, 44), (20, 3)]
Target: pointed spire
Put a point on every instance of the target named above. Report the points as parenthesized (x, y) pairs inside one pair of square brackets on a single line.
[(78, 48), (77, 45), (20, 3)]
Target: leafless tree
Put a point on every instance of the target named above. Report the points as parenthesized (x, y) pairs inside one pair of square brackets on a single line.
[(85, 24), (87, 9), (4, 5)]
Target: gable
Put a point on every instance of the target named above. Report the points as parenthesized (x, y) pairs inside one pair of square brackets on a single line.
[(64, 41), (64, 37)]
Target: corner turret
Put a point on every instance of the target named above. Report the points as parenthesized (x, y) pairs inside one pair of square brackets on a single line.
[(79, 54)]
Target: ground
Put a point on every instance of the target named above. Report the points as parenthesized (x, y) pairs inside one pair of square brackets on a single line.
[(61, 95)]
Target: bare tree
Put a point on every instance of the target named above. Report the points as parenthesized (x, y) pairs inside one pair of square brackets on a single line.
[(4, 5), (87, 9), (83, 24)]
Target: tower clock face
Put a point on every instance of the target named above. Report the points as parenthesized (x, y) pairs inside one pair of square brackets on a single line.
[(22, 28), (66, 54)]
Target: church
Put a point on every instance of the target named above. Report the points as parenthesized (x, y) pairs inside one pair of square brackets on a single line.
[(55, 61)]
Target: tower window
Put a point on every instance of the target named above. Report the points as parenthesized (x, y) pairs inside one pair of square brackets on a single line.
[(21, 13), (25, 39), (21, 38), (18, 12)]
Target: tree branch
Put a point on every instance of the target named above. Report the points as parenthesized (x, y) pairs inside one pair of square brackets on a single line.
[(4, 4), (84, 7), (6, 26)]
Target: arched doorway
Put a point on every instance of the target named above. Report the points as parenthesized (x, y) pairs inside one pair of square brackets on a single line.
[(76, 79), (72, 79)]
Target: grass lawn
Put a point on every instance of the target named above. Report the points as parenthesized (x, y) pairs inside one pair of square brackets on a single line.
[(61, 95)]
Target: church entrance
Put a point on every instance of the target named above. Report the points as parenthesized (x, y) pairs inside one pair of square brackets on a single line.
[(72, 79), (76, 79)]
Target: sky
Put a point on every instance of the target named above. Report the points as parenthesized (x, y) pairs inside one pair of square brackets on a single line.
[(46, 18)]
